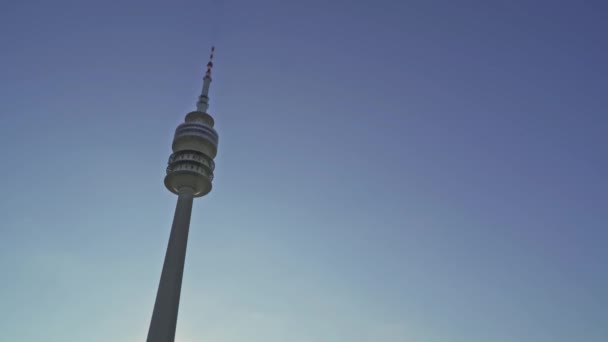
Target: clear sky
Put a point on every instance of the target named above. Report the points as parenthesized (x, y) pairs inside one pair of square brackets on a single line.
[(423, 171)]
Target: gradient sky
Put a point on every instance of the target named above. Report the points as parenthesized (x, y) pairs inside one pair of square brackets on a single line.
[(423, 171)]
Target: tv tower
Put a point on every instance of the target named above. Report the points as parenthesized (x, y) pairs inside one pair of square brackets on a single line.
[(189, 175)]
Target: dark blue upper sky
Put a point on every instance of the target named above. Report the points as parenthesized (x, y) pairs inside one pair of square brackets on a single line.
[(388, 170)]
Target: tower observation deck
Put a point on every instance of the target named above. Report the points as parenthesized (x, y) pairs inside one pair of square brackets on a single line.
[(189, 175)]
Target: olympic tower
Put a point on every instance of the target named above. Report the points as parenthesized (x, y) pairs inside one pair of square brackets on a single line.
[(189, 175)]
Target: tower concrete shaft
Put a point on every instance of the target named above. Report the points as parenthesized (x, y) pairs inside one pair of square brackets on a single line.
[(164, 316)]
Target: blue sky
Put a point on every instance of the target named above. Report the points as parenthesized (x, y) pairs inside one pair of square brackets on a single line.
[(388, 171)]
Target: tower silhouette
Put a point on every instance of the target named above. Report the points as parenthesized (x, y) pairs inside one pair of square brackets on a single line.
[(189, 175)]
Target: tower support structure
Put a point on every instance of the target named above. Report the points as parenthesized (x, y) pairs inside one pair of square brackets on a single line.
[(164, 316)]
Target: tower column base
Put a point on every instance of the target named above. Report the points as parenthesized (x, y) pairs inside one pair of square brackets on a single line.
[(164, 316)]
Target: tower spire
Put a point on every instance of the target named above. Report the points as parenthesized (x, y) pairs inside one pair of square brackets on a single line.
[(203, 100)]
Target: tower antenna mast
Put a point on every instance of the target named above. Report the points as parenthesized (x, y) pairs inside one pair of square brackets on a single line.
[(203, 101)]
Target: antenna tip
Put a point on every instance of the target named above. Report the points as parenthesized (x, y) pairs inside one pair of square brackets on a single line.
[(210, 64)]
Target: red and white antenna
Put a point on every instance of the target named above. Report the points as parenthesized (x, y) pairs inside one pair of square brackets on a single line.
[(203, 100), (210, 64)]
